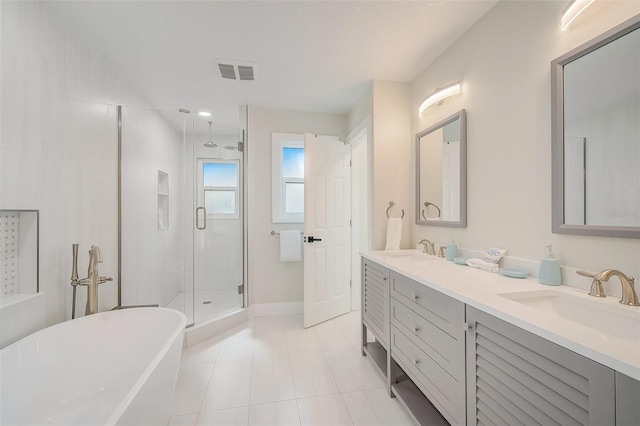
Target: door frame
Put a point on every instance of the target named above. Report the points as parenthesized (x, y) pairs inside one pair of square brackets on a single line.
[(362, 133)]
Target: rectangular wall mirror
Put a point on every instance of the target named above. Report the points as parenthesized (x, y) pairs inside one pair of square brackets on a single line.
[(441, 173), (596, 136)]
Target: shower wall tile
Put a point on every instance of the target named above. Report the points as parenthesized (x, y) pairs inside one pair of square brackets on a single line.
[(58, 148)]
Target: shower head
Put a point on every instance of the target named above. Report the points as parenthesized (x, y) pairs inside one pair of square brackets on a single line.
[(209, 143)]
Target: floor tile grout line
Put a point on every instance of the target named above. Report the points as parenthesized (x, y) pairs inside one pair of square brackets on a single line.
[(333, 376), (347, 408), (209, 383), (205, 391), (299, 415)]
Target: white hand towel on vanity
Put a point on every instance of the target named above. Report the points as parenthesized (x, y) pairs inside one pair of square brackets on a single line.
[(290, 246), (394, 233)]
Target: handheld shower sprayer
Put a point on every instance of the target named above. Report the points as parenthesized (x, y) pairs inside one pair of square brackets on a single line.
[(92, 281)]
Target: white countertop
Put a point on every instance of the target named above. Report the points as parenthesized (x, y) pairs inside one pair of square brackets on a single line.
[(482, 290)]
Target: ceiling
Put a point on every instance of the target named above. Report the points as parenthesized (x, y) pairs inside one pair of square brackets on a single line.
[(308, 55)]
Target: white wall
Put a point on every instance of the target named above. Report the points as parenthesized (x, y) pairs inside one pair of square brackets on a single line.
[(393, 157), (385, 108), (58, 153), (152, 259), (504, 64), (272, 281), (362, 109), (58, 148)]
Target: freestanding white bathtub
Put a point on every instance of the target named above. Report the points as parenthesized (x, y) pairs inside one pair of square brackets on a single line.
[(116, 367)]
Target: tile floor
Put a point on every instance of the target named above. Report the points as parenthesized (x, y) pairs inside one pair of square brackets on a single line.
[(273, 371)]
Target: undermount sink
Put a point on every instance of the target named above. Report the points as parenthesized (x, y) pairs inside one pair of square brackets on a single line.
[(412, 256), (615, 320)]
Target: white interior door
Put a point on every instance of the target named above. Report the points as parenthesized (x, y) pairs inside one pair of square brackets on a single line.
[(327, 212)]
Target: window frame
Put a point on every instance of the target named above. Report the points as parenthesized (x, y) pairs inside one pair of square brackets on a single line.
[(279, 141), (202, 189)]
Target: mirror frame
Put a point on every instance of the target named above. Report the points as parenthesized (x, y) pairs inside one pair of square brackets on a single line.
[(557, 137), (462, 223)]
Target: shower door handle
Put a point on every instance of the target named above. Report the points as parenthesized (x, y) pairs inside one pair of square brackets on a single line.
[(205, 218)]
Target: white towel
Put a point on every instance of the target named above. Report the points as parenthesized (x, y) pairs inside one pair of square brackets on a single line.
[(481, 264), (290, 246), (394, 233)]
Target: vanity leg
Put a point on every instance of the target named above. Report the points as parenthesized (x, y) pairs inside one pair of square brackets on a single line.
[(392, 374), (364, 339)]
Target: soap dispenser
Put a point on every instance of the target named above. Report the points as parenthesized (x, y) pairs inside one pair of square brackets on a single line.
[(452, 250), (549, 269)]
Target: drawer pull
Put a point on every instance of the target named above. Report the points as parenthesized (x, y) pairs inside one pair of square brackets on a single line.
[(384, 278), (416, 362), (416, 297), (416, 329)]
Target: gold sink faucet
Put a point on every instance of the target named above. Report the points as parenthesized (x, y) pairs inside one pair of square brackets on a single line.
[(429, 247), (629, 295)]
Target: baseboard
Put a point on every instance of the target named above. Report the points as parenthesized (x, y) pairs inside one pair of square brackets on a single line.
[(268, 309)]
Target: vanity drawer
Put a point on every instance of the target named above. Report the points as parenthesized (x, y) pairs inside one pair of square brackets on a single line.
[(441, 310), (445, 393), (443, 349)]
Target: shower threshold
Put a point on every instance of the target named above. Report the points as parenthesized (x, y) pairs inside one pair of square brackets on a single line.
[(206, 305)]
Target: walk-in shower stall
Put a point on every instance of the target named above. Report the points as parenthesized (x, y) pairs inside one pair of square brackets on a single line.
[(181, 212)]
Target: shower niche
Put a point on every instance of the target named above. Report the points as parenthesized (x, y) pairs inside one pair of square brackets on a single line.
[(163, 200), (19, 254)]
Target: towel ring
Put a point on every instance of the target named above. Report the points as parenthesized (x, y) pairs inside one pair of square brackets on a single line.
[(391, 204), (427, 204)]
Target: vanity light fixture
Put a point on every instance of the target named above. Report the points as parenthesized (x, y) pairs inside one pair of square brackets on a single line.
[(439, 95), (573, 9), (204, 114)]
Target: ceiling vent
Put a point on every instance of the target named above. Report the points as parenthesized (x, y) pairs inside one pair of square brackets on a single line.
[(236, 70), (227, 71), (245, 72)]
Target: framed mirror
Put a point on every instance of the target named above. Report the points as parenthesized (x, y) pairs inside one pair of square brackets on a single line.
[(441, 173), (595, 107)]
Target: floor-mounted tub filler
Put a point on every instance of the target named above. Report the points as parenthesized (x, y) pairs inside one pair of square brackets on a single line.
[(113, 368)]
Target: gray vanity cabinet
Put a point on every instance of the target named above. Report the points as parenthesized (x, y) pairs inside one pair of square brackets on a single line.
[(515, 377), (627, 401), (375, 300), (492, 373), (427, 342)]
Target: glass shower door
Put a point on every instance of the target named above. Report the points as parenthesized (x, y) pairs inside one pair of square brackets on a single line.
[(217, 200)]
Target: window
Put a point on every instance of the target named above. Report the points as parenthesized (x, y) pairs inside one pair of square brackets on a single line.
[(288, 177), (218, 184)]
